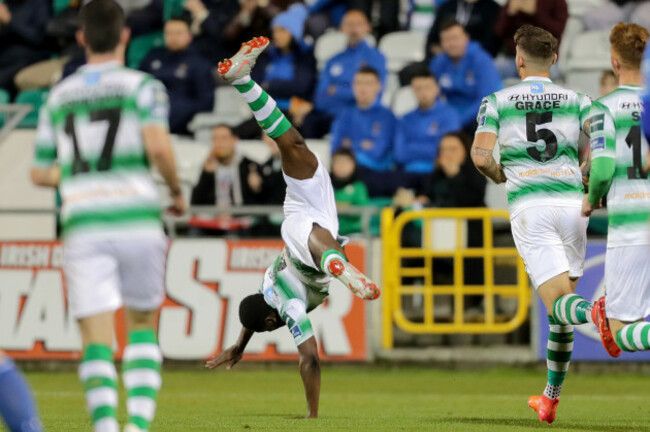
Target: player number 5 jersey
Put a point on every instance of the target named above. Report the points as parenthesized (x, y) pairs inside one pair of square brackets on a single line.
[(538, 125), (616, 134)]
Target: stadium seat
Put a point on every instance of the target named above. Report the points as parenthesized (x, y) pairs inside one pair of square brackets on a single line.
[(577, 8), (35, 98), (172, 8), (402, 48), (332, 43), (404, 101), (574, 27), (390, 88), (587, 57), (4, 99), (140, 47)]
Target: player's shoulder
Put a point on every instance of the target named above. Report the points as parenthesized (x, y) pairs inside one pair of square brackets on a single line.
[(621, 98)]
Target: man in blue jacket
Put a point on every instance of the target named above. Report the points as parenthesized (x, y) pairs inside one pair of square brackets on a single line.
[(185, 74), (419, 132), (334, 89), (465, 71), (368, 129)]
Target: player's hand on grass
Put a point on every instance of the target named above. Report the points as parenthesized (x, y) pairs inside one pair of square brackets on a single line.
[(588, 208), (231, 356)]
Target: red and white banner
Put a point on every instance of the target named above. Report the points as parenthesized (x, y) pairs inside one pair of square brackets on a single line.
[(206, 279)]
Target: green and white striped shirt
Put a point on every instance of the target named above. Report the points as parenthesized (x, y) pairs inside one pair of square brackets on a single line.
[(538, 125), (92, 126), (616, 134)]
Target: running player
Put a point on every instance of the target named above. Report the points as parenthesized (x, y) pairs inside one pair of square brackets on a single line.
[(17, 406), (104, 125), (618, 149), (537, 124), (298, 281)]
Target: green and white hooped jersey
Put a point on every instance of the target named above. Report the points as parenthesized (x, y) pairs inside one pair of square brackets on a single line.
[(91, 126), (294, 292), (616, 134), (538, 125)]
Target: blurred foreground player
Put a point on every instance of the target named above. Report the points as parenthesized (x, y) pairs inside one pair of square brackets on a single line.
[(537, 124), (17, 406), (104, 126), (298, 281)]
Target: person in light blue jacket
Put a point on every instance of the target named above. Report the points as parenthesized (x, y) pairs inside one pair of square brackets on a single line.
[(419, 132), (465, 72), (368, 129)]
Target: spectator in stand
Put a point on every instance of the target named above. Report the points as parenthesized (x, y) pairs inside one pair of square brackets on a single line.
[(22, 36), (368, 130), (419, 132), (466, 73), (324, 14), (287, 69), (252, 20), (334, 89), (228, 178), (608, 82), (550, 15), (478, 17), (185, 74), (606, 16), (348, 189), (209, 18)]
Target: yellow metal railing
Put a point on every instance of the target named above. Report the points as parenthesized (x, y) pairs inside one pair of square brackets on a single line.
[(394, 272)]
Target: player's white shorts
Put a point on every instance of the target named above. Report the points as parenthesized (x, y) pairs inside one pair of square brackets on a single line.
[(103, 273), (308, 202), (551, 240), (627, 282)]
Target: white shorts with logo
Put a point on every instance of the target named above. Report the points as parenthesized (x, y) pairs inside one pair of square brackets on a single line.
[(308, 202), (551, 240), (104, 273), (627, 282)]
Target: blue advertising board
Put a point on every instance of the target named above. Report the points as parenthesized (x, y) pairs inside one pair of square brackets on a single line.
[(587, 345)]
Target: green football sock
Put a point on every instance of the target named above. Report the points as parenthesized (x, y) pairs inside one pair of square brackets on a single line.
[(572, 309), (558, 356), (141, 375), (634, 337), (265, 109), (99, 378)]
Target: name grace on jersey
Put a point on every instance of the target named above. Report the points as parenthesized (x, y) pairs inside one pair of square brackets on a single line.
[(546, 101)]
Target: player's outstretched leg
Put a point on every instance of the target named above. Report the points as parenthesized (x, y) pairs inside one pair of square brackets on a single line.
[(333, 262), (572, 309), (16, 404)]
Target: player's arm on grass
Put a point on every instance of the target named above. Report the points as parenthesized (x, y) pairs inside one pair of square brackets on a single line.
[(44, 171), (603, 153), (153, 108), (485, 140), (310, 374), (233, 354)]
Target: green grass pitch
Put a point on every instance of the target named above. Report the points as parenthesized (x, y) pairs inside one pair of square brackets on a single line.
[(366, 398)]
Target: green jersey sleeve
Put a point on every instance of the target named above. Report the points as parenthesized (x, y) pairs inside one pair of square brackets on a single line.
[(153, 103), (488, 115), (603, 138), (45, 149), (585, 108)]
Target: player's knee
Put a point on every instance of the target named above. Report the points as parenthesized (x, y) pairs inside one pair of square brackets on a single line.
[(310, 362)]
